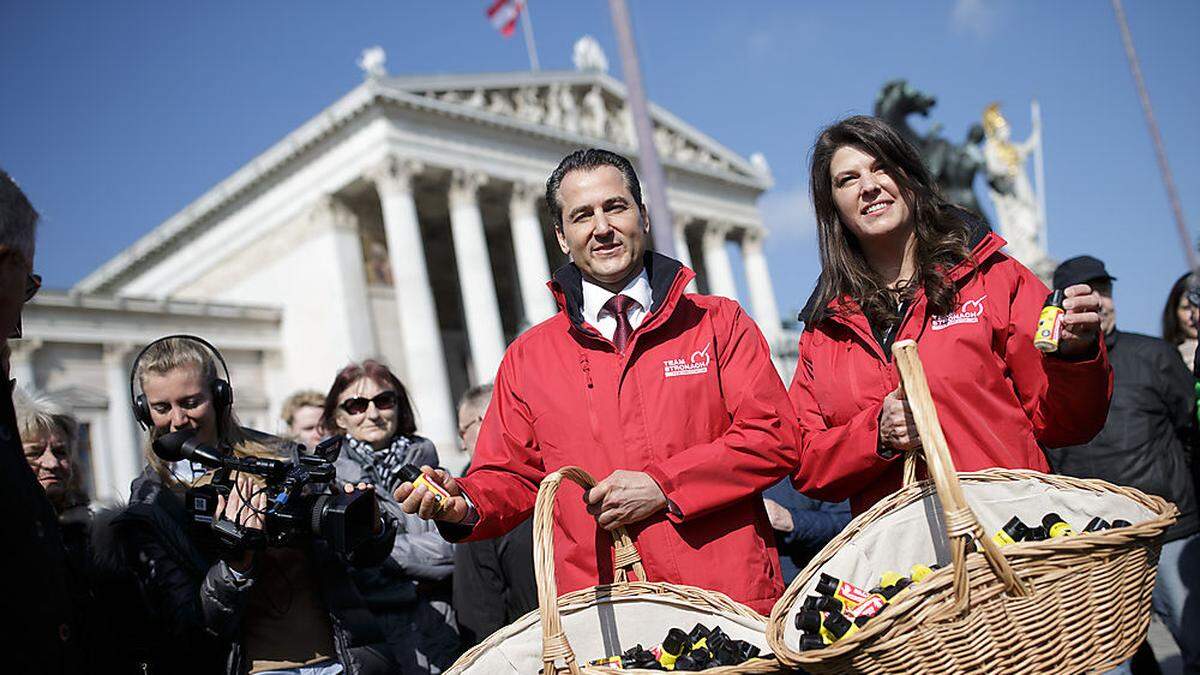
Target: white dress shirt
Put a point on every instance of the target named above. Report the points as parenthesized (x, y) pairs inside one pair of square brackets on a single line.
[(595, 297)]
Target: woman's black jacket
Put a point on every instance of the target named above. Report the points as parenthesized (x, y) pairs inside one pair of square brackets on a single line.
[(196, 604)]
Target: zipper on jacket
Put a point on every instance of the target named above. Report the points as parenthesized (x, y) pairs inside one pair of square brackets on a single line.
[(889, 336), (587, 376)]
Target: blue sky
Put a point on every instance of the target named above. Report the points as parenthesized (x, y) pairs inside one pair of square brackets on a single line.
[(113, 116)]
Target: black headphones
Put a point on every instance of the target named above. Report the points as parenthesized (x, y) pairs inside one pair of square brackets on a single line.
[(222, 392)]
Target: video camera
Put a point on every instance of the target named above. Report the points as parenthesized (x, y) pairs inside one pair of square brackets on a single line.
[(344, 520)]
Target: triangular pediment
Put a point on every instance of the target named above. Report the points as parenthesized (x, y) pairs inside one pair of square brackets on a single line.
[(578, 108), (585, 105)]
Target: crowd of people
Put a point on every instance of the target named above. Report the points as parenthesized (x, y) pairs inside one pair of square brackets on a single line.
[(726, 478)]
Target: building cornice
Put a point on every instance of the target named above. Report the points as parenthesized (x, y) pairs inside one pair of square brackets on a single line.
[(132, 305), (381, 94)]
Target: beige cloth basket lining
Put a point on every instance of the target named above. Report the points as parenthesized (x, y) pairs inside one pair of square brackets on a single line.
[(915, 534), (605, 628), (592, 623)]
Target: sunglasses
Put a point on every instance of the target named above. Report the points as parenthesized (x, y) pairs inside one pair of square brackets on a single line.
[(358, 405)]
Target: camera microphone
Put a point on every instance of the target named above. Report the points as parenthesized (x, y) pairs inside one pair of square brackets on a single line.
[(182, 445)]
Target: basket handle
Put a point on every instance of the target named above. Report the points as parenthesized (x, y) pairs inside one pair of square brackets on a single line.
[(911, 456), (626, 560), (961, 524)]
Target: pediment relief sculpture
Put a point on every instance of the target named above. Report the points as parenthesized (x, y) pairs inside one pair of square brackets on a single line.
[(588, 110)]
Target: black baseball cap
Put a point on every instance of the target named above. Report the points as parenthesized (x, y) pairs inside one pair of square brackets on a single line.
[(1081, 269)]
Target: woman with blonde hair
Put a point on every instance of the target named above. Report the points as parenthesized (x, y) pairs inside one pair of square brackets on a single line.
[(48, 431), (285, 609)]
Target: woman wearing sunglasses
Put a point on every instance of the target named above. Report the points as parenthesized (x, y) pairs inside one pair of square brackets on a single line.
[(410, 594)]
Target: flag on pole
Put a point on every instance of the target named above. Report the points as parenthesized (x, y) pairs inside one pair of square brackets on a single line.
[(504, 14)]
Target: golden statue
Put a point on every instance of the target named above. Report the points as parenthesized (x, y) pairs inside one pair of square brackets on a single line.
[(1018, 209)]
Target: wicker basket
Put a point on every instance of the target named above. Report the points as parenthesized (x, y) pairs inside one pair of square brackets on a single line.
[(1066, 605), (604, 620)]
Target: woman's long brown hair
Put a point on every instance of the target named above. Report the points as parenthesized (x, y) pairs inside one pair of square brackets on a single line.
[(941, 228)]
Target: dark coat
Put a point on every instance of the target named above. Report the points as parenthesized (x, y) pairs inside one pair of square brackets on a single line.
[(41, 635), (1146, 441), (114, 629), (409, 593), (198, 603), (814, 524), (494, 583)]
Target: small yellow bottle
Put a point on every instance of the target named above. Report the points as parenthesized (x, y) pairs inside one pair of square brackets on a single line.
[(1049, 325), (412, 474)]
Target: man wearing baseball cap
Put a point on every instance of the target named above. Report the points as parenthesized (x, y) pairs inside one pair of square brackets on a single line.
[(1144, 444)]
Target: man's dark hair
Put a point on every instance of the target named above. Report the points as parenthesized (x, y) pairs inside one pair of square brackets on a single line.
[(17, 216), (586, 160)]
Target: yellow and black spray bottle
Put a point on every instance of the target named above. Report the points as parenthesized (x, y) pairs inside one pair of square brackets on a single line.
[(1049, 325), (1012, 532), (1056, 526), (411, 474)]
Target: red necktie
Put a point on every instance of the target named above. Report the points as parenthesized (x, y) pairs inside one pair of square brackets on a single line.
[(619, 305)]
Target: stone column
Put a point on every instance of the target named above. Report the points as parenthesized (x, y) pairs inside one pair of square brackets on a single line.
[(682, 253), (485, 333), (424, 358), (716, 260), (20, 363), (762, 293), (121, 461), (346, 290), (533, 271)]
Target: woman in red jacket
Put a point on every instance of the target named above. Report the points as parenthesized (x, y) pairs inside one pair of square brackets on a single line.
[(899, 262)]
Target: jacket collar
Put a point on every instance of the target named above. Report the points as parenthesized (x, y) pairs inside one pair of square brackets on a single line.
[(667, 276), (982, 241), (596, 297)]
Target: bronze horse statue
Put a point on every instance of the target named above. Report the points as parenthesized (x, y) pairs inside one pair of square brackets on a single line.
[(952, 166)]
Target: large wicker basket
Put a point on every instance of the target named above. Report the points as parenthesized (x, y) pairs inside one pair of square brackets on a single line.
[(1065, 605), (604, 620)]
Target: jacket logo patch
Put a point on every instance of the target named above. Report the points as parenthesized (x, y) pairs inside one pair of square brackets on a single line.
[(970, 312), (696, 364)]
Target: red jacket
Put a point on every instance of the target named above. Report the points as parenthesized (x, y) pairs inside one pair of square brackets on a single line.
[(696, 403), (999, 400)]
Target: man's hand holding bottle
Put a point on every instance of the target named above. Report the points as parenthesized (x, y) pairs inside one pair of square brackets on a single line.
[(432, 494)]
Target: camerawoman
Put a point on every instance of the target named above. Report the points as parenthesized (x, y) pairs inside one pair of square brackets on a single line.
[(258, 580)]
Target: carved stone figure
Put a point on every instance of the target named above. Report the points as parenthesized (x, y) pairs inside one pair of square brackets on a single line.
[(528, 105), (500, 103), (588, 56), (623, 127), (373, 62), (1011, 191), (665, 141), (553, 107), (595, 116), (570, 110)]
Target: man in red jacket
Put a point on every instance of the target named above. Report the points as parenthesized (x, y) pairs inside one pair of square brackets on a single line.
[(671, 399)]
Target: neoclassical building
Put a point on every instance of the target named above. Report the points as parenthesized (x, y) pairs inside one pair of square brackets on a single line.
[(406, 222)]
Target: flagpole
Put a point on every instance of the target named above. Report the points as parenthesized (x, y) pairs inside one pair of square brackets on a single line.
[(1039, 170), (527, 28), (652, 173), (1160, 151)]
